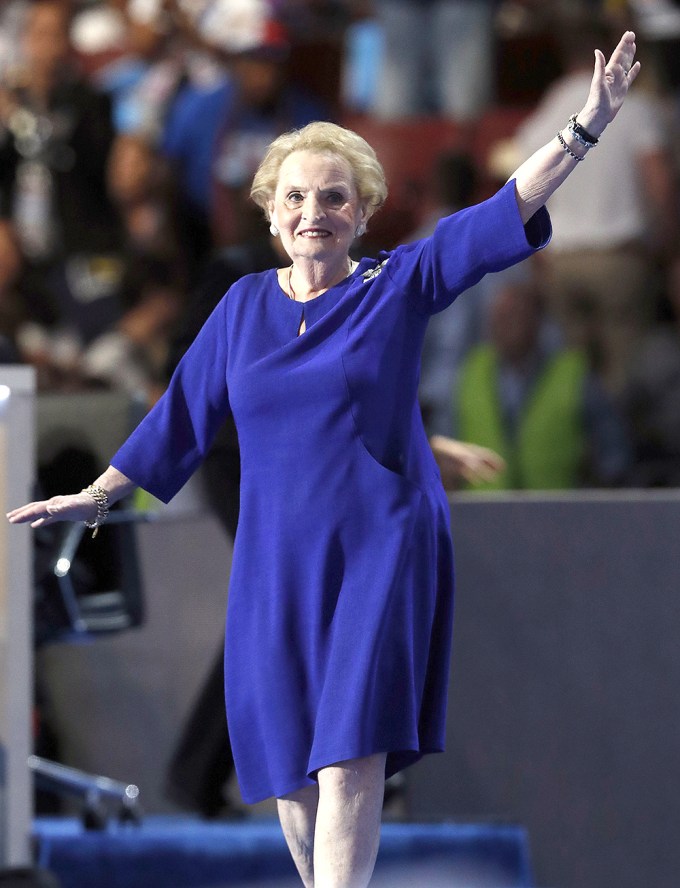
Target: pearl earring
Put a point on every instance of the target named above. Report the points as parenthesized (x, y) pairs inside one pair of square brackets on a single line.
[(274, 230), (361, 229)]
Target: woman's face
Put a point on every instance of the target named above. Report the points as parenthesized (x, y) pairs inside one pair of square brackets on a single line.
[(316, 206)]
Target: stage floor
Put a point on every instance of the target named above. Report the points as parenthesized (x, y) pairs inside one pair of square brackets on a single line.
[(181, 852)]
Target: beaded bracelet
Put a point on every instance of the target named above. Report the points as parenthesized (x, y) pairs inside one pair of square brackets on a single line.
[(101, 498), (568, 149), (581, 134)]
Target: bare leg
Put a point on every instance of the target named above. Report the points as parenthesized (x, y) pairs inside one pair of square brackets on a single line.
[(348, 822), (297, 813)]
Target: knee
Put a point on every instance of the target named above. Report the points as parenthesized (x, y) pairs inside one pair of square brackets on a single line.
[(354, 776), (305, 796)]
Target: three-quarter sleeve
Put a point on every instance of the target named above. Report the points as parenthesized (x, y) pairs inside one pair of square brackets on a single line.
[(484, 238), (170, 442)]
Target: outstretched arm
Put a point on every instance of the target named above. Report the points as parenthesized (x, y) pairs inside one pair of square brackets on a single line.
[(539, 176), (73, 507)]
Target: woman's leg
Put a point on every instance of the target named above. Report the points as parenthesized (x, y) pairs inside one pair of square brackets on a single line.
[(348, 822), (297, 813)]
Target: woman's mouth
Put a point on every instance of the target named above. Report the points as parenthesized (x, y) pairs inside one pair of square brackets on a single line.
[(314, 233)]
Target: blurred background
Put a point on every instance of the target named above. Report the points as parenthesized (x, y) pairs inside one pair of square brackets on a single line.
[(129, 134)]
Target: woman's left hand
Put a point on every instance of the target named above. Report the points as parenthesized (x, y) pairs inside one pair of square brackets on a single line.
[(609, 86)]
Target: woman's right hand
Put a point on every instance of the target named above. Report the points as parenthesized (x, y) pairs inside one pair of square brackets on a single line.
[(74, 507)]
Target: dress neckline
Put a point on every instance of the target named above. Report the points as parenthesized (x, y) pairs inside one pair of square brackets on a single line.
[(340, 284)]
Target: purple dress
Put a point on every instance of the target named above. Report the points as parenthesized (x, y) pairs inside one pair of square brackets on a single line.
[(340, 605)]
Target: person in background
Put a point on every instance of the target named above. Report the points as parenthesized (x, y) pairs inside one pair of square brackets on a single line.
[(55, 138), (156, 49), (438, 57), (146, 201), (11, 15), (131, 356), (540, 407), (143, 69), (651, 400), (450, 334), (215, 138), (658, 22), (613, 225), (54, 143), (10, 302)]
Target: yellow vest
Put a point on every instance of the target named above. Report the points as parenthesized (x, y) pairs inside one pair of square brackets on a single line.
[(549, 446)]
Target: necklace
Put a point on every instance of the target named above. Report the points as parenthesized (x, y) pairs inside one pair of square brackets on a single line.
[(291, 292)]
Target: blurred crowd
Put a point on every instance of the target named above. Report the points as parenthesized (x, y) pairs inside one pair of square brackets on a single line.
[(130, 131)]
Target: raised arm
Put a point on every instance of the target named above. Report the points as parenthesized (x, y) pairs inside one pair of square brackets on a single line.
[(539, 176)]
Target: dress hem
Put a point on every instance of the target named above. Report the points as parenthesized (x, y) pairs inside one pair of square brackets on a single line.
[(397, 760)]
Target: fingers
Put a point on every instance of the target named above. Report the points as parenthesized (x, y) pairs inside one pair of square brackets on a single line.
[(37, 513), (625, 48), (482, 465), (479, 473), (494, 461), (75, 507), (478, 469), (621, 60), (633, 73), (599, 72)]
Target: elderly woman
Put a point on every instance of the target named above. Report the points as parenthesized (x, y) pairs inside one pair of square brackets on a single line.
[(340, 607)]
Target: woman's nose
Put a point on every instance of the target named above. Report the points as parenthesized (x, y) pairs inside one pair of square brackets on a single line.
[(312, 209)]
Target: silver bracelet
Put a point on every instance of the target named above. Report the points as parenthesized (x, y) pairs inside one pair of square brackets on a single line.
[(580, 134), (101, 498), (568, 149)]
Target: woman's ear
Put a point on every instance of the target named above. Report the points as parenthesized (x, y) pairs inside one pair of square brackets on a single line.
[(274, 224), (361, 227)]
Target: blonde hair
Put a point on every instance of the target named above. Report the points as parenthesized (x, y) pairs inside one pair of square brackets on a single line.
[(323, 138)]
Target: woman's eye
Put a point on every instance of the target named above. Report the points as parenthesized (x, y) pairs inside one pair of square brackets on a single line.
[(295, 197), (336, 198)]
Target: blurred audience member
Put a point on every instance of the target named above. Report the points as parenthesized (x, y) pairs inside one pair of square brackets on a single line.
[(216, 138), (438, 57), (460, 462), (10, 302), (55, 136), (610, 229), (132, 356), (144, 199), (11, 14), (361, 64), (160, 49), (652, 399), (143, 58), (658, 23), (97, 33), (451, 333), (540, 408), (8, 352)]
